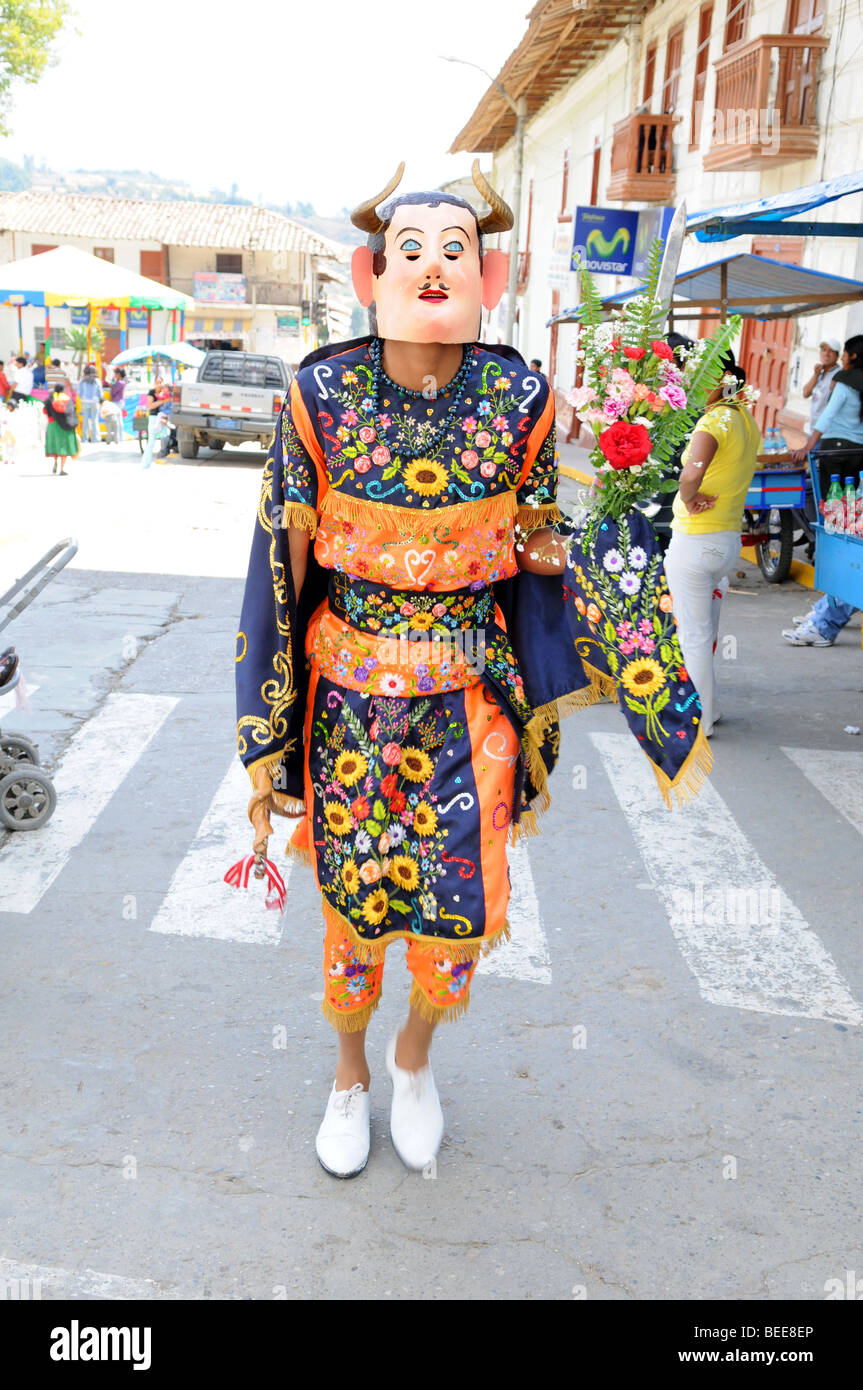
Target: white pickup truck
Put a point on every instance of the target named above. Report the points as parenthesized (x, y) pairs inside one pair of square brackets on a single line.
[(236, 399)]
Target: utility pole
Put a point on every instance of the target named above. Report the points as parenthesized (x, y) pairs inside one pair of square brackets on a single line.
[(519, 106)]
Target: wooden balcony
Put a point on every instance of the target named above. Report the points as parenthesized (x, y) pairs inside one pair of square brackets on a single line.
[(641, 164), (765, 102)]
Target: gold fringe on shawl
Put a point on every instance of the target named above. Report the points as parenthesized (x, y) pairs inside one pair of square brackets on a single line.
[(373, 952), (437, 1013), (299, 515), (529, 518), (353, 1022), (411, 521), (299, 853), (691, 778)]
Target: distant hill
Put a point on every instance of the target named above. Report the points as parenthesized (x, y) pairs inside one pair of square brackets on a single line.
[(136, 183)]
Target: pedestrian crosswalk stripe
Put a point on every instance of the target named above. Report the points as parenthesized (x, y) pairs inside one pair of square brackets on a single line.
[(198, 901), (97, 759), (525, 956), (742, 937), (837, 775), (9, 704)]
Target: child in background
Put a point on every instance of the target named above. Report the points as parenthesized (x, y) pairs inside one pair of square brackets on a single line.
[(8, 438)]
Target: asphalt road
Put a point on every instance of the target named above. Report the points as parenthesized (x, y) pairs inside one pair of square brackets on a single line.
[(655, 1092)]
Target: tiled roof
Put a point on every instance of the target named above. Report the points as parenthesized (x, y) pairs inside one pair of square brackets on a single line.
[(221, 225)]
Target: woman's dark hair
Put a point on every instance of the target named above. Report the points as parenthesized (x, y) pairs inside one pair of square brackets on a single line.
[(854, 348), (120, 372)]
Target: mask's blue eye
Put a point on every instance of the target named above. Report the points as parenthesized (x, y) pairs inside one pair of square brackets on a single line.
[(411, 244), (453, 246)]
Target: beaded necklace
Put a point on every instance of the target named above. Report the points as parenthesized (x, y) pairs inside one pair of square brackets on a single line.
[(457, 386)]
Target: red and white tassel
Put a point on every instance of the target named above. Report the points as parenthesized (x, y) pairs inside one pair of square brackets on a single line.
[(238, 877)]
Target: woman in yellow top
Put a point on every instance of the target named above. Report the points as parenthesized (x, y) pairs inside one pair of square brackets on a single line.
[(718, 464)]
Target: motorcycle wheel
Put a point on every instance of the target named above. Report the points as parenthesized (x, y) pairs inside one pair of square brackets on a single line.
[(774, 558)]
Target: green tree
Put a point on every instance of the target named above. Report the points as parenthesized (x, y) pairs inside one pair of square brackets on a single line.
[(75, 341), (27, 31)]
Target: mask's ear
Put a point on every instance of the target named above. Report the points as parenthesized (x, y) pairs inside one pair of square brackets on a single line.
[(495, 267), (361, 274)]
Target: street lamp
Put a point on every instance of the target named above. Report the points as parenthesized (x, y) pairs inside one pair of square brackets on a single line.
[(519, 106)]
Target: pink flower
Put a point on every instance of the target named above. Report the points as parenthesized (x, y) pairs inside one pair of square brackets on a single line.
[(374, 729), (674, 395), (614, 406), (469, 425), (407, 610), (581, 396), (439, 610), (391, 754), (367, 434), (469, 459), (627, 648), (384, 421), (362, 465), (641, 391), (483, 439), (647, 645), (499, 423), (350, 416), (488, 469), (380, 455), (624, 385)]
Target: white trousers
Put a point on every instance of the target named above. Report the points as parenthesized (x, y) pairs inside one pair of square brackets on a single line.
[(697, 569)]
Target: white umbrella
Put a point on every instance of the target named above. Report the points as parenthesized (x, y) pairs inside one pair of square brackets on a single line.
[(186, 353)]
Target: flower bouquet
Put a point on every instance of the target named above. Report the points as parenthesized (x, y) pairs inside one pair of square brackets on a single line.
[(641, 403), (638, 401)]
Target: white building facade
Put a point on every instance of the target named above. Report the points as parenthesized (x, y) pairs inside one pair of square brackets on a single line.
[(711, 104)]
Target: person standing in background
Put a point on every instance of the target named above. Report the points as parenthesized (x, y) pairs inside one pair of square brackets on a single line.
[(817, 388), (90, 396), (5, 388), (38, 373), (837, 434), (61, 440), (118, 395), (55, 375), (718, 465)]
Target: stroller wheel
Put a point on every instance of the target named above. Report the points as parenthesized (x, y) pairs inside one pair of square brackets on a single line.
[(20, 750), (27, 799)]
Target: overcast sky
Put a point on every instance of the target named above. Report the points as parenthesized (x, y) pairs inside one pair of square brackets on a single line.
[(294, 100)]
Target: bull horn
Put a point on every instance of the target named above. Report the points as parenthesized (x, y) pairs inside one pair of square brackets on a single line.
[(500, 219), (365, 215)]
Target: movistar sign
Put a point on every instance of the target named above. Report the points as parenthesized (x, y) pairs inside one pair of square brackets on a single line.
[(604, 240)]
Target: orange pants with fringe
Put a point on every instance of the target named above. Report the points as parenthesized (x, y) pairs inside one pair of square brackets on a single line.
[(352, 987)]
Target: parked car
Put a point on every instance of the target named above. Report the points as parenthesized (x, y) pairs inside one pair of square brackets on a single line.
[(235, 400)]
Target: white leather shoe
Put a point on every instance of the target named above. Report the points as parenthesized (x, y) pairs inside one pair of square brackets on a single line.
[(416, 1119), (342, 1142)]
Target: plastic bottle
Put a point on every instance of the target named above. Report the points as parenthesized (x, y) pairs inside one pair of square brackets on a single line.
[(770, 441), (781, 446), (858, 509), (850, 499), (834, 519)]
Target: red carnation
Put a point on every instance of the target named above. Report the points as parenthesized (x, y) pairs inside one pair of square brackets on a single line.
[(625, 445), (661, 349), (634, 353), (361, 808), (389, 784), (398, 801)]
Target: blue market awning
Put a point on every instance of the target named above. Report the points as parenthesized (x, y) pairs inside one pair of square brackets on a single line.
[(766, 215), (753, 286)]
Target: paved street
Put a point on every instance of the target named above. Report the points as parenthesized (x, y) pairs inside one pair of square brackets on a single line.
[(655, 1092)]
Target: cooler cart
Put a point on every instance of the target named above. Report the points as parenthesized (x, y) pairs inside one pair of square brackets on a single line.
[(27, 795)]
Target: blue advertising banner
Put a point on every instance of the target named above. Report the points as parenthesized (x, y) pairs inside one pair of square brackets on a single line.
[(652, 223), (604, 240), (137, 318), (80, 317)]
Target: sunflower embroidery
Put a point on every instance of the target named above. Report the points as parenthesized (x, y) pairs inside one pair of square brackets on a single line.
[(350, 767), (415, 765), (643, 677), (423, 621), (426, 476), (338, 817), (425, 819), (350, 876), (375, 906), (404, 871)]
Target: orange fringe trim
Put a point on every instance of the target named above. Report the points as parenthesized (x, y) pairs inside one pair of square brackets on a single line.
[(410, 520), (353, 1022), (437, 1013), (299, 515), (529, 518), (301, 855), (373, 952)]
